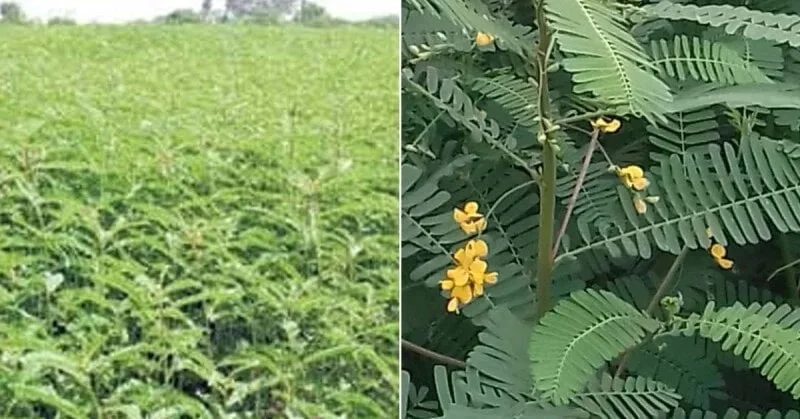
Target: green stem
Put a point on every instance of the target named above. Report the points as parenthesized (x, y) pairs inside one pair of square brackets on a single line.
[(547, 191)]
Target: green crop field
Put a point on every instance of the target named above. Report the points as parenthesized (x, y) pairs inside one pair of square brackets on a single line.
[(198, 221)]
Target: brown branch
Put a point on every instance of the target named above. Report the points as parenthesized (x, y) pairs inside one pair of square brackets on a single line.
[(574, 197), (662, 289), (433, 355)]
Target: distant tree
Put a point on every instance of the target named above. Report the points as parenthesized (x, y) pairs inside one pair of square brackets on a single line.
[(311, 12), (11, 12), (60, 20), (182, 16), (245, 8), (206, 7), (389, 21)]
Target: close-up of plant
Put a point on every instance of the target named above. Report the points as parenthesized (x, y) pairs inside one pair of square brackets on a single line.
[(600, 209)]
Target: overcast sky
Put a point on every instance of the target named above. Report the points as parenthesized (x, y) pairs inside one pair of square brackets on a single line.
[(123, 10)]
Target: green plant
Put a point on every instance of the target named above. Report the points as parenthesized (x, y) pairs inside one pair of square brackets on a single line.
[(636, 165), (193, 225)]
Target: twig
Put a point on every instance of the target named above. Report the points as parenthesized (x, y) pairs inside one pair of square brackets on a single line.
[(581, 117), (654, 301), (791, 275), (433, 355), (783, 268), (574, 197)]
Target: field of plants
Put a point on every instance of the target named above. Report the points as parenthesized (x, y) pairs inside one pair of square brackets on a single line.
[(600, 209), (198, 221)]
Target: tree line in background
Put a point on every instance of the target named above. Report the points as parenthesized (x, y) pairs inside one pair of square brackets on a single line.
[(269, 12)]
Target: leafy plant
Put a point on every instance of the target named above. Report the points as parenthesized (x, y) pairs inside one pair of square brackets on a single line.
[(187, 235), (631, 171)]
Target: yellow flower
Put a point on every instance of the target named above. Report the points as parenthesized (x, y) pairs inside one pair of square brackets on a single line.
[(470, 220), (459, 296), (459, 275), (718, 252), (633, 178), (606, 126), (483, 39), (640, 205), (479, 276)]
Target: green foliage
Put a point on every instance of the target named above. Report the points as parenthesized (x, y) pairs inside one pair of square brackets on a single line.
[(703, 60), (646, 321), (196, 226), (765, 336), (604, 59), (578, 336)]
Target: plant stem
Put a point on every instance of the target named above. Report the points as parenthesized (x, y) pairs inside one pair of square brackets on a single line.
[(662, 289), (581, 117), (547, 195), (433, 355), (574, 197)]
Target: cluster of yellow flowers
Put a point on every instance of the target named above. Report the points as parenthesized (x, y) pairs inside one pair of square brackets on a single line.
[(467, 278), (718, 252), (633, 178)]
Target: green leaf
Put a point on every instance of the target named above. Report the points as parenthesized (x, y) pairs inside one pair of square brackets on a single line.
[(578, 336), (605, 59)]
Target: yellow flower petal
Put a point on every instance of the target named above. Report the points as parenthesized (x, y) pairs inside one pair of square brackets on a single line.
[(598, 123), (477, 248), (627, 181), (640, 183), (452, 305), (463, 257), (469, 227), (464, 294), (473, 226), (477, 289), (471, 208), (477, 271), (460, 216), (490, 278), (447, 284), (483, 39), (718, 251), (459, 275), (633, 171), (639, 205), (606, 126), (612, 126), (724, 263)]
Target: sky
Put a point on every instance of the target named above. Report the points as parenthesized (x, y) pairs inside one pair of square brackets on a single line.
[(113, 11)]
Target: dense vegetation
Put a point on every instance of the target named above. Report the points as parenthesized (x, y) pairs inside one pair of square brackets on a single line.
[(601, 208), (198, 222)]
